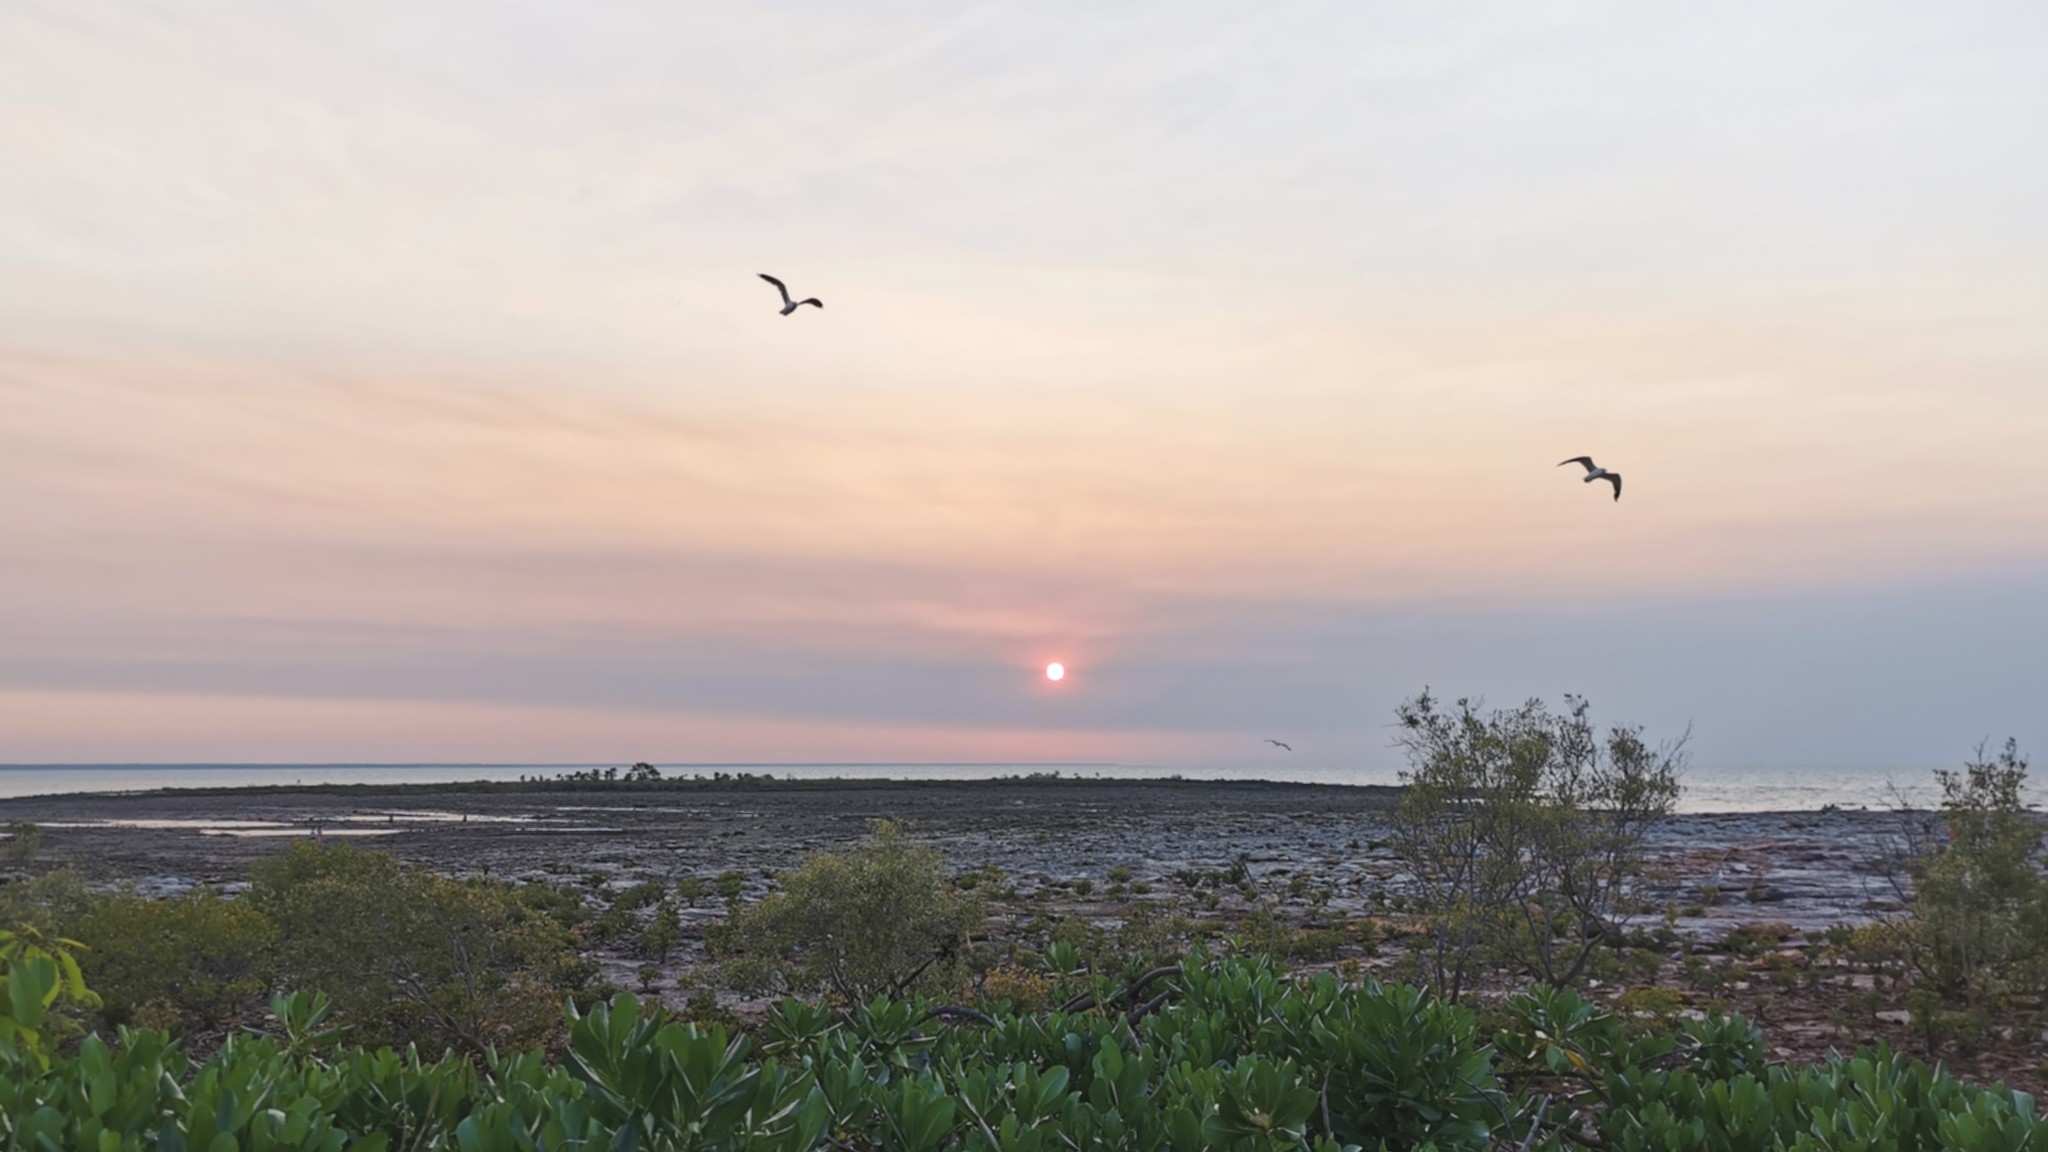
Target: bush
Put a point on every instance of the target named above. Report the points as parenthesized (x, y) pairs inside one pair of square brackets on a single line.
[(24, 840), (1237, 1057), (1979, 930), (730, 884), (663, 932), (874, 921), (49, 904), (1524, 832), (411, 957), (645, 894), (188, 964)]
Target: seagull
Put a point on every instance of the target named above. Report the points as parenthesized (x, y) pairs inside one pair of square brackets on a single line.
[(789, 305), (1596, 472), (1281, 746)]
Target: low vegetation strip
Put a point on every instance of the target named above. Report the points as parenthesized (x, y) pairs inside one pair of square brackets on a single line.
[(1240, 1055)]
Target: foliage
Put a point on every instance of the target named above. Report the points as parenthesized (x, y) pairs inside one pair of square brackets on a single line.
[(874, 921), (37, 974), (663, 932), (412, 957), (1524, 832), (23, 841), (1979, 931), (188, 963), (1241, 1058), (50, 903)]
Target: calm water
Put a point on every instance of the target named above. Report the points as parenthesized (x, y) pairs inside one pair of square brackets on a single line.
[(1708, 789)]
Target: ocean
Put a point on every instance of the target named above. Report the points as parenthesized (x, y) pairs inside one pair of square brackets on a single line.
[(1707, 788)]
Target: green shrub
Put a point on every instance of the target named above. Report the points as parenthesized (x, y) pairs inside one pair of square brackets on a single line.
[(1524, 831), (730, 884), (190, 963), (1979, 930), (663, 932), (613, 924), (563, 905), (869, 922), (645, 894), (1147, 937), (23, 841), (411, 957), (49, 904)]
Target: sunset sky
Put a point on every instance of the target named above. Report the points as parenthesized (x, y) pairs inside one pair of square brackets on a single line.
[(390, 381)]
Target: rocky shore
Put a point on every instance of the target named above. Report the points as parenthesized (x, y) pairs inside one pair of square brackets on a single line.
[(1805, 869)]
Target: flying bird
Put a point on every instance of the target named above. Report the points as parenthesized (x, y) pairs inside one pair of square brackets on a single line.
[(789, 305), (1283, 747), (1595, 472)]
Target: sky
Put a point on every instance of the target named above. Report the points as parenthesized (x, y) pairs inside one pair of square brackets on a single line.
[(390, 381)]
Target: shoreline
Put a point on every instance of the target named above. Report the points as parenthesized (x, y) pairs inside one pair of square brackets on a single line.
[(747, 780), (1705, 788), (740, 782)]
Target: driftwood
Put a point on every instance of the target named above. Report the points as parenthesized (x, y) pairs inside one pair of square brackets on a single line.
[(1148, 1007), (897, 990), (956, 1012), (1086, 1000)]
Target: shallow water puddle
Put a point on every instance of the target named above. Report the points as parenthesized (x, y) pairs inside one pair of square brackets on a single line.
[(166, 824), (431, 816), (254, 833)]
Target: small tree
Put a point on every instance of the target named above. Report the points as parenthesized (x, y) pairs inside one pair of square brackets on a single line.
[(874, 921), (1523, 830), (1979, 899)]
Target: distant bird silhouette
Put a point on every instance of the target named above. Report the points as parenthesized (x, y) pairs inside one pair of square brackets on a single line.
[(1595, 472), (789, 305), (1281, 746)]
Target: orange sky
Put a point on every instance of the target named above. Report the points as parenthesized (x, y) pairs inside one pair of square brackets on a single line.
[(368, 380)]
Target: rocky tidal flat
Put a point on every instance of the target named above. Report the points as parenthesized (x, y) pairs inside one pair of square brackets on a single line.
[(1806, 869)]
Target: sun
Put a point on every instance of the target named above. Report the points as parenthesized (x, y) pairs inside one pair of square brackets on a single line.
[(1055, 671)]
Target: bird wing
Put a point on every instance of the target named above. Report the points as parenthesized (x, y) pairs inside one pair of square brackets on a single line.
[(1586, 460), (779, 286), (813, 301), (1616, 477)]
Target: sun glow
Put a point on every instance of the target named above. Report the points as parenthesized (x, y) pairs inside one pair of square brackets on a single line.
[(1055, 671)]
